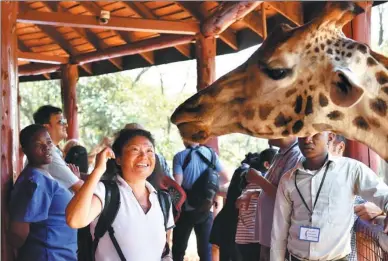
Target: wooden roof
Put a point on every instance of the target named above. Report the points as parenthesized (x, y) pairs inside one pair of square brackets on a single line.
[(138, 34)]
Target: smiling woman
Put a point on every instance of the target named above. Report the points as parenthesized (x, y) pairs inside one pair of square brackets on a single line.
[(138, 226)]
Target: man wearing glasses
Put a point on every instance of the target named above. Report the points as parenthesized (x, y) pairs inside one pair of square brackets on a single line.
[(52, 118)]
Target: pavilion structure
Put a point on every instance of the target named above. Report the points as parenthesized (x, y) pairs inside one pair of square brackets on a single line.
[(43, 40)]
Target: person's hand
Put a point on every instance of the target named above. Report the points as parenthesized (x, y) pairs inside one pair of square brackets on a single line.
[(367, 211), (243, 201), (102, 158), (252, 175), (74, 169)]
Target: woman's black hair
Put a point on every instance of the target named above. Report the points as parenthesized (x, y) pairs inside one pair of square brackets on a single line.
[(125, 135), (28, 132)]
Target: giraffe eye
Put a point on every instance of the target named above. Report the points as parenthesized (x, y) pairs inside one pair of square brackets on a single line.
[(277, 74)]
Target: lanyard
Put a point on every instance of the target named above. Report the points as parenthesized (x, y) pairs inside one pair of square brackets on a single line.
[(319, 191)]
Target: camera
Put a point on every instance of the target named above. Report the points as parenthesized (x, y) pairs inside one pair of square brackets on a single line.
[(104, 17)]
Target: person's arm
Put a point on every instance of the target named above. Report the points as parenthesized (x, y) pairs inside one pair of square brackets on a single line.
[(281, 222), (368, 211), (18, 233), (177, 170), (59, 170), (85, 206), (244, 200), (369, 187), (254, 176)]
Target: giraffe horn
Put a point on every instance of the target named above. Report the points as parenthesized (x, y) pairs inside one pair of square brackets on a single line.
[(338, 13)]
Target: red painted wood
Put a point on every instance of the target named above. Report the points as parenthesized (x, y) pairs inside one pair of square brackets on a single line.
[(69, 81), (9, 114), (360, 30), (205, 49)]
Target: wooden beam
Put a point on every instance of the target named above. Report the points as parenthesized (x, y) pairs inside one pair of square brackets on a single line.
[(149, 57), (291, 10), (115, 23), (184, 49), (42, 58), (226, 14), (228, 36), (134, 48), (128, 37), (47, 76), (36, 69), (264, 20), (87, 67), (254, 22), (69, 79)]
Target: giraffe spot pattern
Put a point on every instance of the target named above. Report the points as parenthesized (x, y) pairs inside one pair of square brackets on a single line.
[(371, 62), (329, 42), (349, 55), (312, 87), (264, 111), (298, 125), (351, 46), (374, 122), (329, 51), (290, 92), (282, 120), (382, 77), (322, 127), (323, 101), (298, 104), (361, 123), (335, 115), (362, 48), (379, 106), (322, 47), (285, 133), (316, 49), (309, 106), (238, 101), (308, 46), (385, 90), (249, 114)]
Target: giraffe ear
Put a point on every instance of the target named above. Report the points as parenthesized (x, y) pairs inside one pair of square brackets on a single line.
[(339, 13), (344, 89)]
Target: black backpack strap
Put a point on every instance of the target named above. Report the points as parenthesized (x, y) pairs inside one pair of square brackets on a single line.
[(188, 158), (212, 163), (165, 204), (107, 216)]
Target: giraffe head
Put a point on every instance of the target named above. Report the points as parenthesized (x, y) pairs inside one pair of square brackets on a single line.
[(299, 82)]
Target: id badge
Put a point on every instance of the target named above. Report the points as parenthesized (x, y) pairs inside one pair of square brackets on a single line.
[(310, 234)]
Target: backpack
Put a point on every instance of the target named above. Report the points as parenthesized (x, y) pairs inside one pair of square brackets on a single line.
[(202, 193), (87, 246)]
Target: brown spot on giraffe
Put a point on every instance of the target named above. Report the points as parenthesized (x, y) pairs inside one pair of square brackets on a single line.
[(385, 90), (285, 133), (323, 101), (371, 62), (374, 122), (309, 78), (349, 55), (308, 46), (328, 42), (298, 104), (316, 49), (249, 114), (290, 92), (264, 111), (362, 48), (322, 127), (329, 51), (309, 106), (379, 106), (238, 101), (351, 46), (361, 123), (312, 87), (282, 120), (335, 115), (382, 77), (298, 125), (322, 47)]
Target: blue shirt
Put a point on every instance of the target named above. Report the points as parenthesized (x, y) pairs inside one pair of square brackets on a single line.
[(195, 167), (40, 200)]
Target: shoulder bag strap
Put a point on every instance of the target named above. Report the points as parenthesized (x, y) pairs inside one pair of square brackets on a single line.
[(208, 162), (187, 159), (107, 216)]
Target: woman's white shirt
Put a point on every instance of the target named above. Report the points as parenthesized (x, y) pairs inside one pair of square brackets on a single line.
[(140, 236)]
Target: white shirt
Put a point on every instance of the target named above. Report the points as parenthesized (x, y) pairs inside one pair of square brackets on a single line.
[(60, 171), (140, 236), (333, 213)]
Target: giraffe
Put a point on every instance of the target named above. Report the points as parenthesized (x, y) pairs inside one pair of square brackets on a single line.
[(299, 82)]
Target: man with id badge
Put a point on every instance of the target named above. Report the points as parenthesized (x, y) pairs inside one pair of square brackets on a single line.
[(314, 203)]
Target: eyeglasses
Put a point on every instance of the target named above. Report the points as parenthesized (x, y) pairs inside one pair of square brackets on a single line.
[(62, 122)]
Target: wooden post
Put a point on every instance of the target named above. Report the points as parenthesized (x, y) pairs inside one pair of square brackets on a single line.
[(205, 50), (9, 114), (359, 29), (69, 81)]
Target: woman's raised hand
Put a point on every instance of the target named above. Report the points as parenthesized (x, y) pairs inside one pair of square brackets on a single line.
[(102, 158)]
